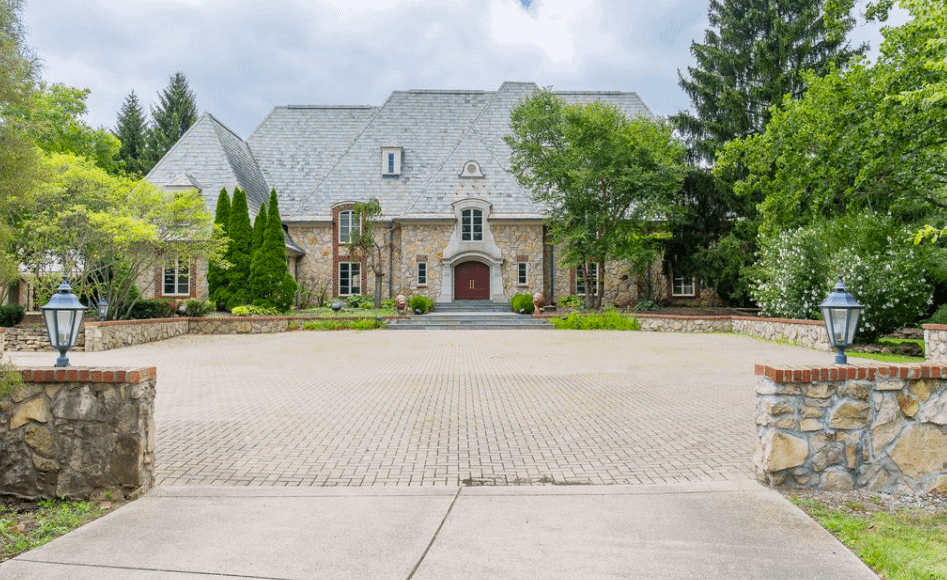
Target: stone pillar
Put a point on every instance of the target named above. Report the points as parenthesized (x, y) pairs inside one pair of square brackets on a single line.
[(82, 433)]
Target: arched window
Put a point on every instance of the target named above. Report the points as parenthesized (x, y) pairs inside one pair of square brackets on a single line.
[(471, 225)]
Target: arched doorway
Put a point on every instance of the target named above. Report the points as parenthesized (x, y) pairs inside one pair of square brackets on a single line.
[(472, 281)]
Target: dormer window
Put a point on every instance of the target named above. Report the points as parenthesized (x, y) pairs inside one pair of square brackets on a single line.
[(391, 161)]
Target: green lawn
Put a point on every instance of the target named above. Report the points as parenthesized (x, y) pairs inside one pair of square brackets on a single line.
[(908, 545)]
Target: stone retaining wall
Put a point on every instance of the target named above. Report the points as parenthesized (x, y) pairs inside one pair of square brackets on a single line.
[(882, 427), (82, 433), (116, 334), (935, 343), (32, 338), (806, 333)]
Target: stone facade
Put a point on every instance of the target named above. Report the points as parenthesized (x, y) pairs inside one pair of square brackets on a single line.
[(935, 343), (420, 242), (100, 336), (80, 433), (669, 323), (883, 428)]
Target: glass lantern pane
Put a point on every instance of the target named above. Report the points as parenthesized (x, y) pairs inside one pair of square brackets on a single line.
[(839, 325), (50, 317), (852, 324), (64, 327)]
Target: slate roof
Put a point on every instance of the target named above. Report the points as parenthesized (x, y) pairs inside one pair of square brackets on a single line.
[(318, 156)]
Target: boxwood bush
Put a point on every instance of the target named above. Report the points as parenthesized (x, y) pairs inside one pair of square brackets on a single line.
[(11, 315), (250, 310), (522, 303), (609, 320), (422, 303), (153, 308)]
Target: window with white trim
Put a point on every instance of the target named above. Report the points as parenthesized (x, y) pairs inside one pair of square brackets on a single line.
[(350, 278), (682, 286), (580, 285), (348, 222), (391, 161), (471, 225), (422, 273), (521, 273), (176, 278)]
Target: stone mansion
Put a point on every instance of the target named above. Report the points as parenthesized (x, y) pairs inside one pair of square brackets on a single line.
[(456, 224)]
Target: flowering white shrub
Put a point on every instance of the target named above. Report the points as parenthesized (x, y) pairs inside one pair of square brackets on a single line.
[(881, 266)]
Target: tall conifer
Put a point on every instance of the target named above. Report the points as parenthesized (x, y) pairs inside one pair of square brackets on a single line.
[(132, 130), (259, 226), (270, 280), (752, 56), (238, 251), (217, 277), (174, 115)]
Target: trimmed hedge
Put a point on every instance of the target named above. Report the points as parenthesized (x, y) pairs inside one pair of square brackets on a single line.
[(422, 303), (608, 320), (11, 315)]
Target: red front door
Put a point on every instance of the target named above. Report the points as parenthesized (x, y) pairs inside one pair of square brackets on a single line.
[(472, 281)]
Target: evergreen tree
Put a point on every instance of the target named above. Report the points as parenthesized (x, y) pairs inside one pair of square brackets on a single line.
[(216, 276), (270, 280), (238, 251), (256, 242), (132, 130), (259, 227), (174, 115), (752, 56)]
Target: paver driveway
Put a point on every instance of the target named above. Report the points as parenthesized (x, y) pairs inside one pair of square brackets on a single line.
[(451, 407)]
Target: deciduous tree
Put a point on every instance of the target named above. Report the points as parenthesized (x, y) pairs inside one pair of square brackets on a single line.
[(603, 178), (370, 243)]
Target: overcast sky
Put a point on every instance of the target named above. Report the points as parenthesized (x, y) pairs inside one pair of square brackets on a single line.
[(243, 57)]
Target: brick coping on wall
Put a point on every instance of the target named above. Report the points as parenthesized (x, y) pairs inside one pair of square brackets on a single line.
[(88, 374), (99, 324), (648, 314), (805, 374), (934, 326)]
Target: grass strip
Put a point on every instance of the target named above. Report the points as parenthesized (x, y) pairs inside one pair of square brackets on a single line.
[(910, 544), (25, 529)]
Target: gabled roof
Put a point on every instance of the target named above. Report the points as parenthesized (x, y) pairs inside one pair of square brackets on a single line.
[(318, 156), (211, 156)]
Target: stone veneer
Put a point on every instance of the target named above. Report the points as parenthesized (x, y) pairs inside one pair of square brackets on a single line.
[(83, 433), (935, 343), (120, 333), (806, 333), (32, 338), (881, 427)]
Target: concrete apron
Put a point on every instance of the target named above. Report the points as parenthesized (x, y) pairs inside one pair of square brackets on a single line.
[(702, 530)]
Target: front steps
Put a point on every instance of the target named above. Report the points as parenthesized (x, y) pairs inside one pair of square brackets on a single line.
[(470, 315)]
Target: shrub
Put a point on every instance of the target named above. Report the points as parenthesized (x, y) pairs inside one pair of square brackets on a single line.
[(364, 302), (11, 315), (611, 319), (422, 303), (647, 305), (388, 304), (881, 267), (364, 324), (251, 310), (522, 303), (198, 308), (153, 308), (939, 317), (572, 301)]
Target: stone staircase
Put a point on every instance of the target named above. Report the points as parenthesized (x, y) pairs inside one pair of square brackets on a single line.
[(470, 315)]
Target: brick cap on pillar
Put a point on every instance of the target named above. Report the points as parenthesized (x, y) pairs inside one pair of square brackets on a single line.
[(88, 374), (808, 374)]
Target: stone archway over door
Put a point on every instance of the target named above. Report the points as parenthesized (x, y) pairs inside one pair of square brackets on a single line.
[(472, 281)]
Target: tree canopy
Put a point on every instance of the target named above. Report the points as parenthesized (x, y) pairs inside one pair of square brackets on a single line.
[(603, 178), (172, 117), (754, 53), (132, 131), (364, 242)]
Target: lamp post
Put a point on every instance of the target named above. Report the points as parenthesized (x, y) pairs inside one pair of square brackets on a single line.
[(63, 316), (102, 308), (840, 313)]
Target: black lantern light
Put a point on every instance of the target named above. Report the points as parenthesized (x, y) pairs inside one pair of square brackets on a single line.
[(63, 316), (840, 313), (102, 308)]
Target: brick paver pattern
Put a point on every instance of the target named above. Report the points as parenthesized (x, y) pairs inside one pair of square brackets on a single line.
[(452, 407)]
